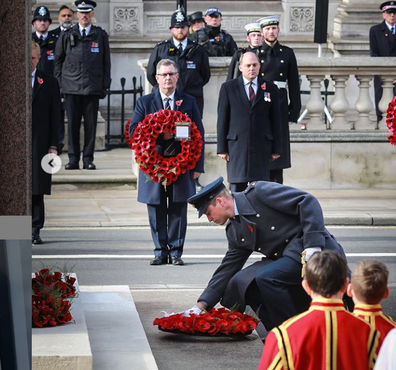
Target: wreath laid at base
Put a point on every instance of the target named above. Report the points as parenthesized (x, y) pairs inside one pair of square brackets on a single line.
[(391, 121), (215, 322), (165, 170)]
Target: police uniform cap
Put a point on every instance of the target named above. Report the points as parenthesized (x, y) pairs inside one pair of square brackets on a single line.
[(388, 6), (252, 27), (85, 6), (201, 200), (269, 21), (179, 19), (196, 17), (42, 13), (213, 11)]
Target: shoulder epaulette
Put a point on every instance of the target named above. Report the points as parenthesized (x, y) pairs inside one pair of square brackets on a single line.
[(251, 186), (163, 42)]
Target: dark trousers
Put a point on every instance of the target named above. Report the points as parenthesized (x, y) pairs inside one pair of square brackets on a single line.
[(168, 223), (276, 176), (62, 129), (238, 187), (78, 106), (282, 295), (37, 214)]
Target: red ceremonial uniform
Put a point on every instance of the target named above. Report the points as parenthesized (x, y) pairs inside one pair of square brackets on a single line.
[(376, 318), (326, 337)]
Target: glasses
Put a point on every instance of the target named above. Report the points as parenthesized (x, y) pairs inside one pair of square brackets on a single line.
[(164, 75)]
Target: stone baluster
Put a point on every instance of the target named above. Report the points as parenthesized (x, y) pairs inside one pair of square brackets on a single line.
[(339, 104), (364, 105), (387, 96), (315, 104)]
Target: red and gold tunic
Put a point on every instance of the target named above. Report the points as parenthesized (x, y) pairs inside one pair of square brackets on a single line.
[(326, 337), (373, 315)]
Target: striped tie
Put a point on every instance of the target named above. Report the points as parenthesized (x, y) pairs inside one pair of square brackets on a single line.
[(393, 30), (251, 93), (167, 103)]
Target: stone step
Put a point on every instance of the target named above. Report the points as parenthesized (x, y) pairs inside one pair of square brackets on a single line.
[(118, 340)]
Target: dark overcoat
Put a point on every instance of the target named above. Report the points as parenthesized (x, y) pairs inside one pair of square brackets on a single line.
[(275, 221), (45, 127), (280, 64), (47, 52), (193, 64), (382, 44), (250, 134), (149, 192)]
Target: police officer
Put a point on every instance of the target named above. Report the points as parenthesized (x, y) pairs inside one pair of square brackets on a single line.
[(279, 65), (217, 42), (191, 58), (82, 66), (383, 44), (255, 40), (46, 39)]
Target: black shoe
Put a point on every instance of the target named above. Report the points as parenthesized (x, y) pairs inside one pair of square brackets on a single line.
[(36, 239), (159, 261), (72, 166), (89, 166), (177, 261)]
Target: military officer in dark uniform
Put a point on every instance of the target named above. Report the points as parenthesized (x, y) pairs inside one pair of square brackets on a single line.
[(383, 44), (279, 65), (46, 39), (82, 66), (255, 40), (217, 42), (191, 59), (282, 223)]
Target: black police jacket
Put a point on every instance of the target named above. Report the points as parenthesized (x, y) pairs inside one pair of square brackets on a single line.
[(82, 66), (193, 63), (217, 42), (47, 52)]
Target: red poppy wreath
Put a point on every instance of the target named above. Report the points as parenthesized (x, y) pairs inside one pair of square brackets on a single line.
[(215, 322), (391, 121), (165, 170)]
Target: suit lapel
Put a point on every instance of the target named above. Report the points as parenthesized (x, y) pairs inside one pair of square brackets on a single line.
[(242, 93), (38, 82), (259, 93), (157, 101), (178, 97)]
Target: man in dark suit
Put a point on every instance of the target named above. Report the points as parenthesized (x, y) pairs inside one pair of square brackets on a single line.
[(279, 65), (167, 206), (383, 44), (248, 129), (45, 121), (283, 224), (191, 59)]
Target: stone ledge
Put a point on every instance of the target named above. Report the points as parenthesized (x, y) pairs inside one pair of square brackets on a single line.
[(63, 347)]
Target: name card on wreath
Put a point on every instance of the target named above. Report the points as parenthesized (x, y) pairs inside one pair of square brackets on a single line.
[(182, 131)]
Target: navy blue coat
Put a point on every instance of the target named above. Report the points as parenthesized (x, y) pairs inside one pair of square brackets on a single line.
[(382, 42), (149, 192), (249, 134), (275, 220)]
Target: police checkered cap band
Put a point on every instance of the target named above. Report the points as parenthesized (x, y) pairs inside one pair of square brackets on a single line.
[(212, 10), (268, 21), (252, 27)]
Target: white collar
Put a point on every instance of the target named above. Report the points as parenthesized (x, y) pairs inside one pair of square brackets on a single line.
[(389, 26), (87, 29), (177, 43), (39, 35), (172, 96), (246, 81)]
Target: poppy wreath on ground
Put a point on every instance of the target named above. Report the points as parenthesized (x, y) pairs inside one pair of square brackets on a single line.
[(391, 121), (51, 298), (215, 322), (165, 170)]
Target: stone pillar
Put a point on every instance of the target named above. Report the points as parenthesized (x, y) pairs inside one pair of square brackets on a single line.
[(363, 104), (339, 104), (15, 114), (315, 104)]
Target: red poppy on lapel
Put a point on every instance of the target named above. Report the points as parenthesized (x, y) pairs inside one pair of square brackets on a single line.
[(179, 102), (250, 228), (40, 80), (263, 86)]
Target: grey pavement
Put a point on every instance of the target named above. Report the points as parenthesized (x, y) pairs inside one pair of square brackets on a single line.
[(107, 197)]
